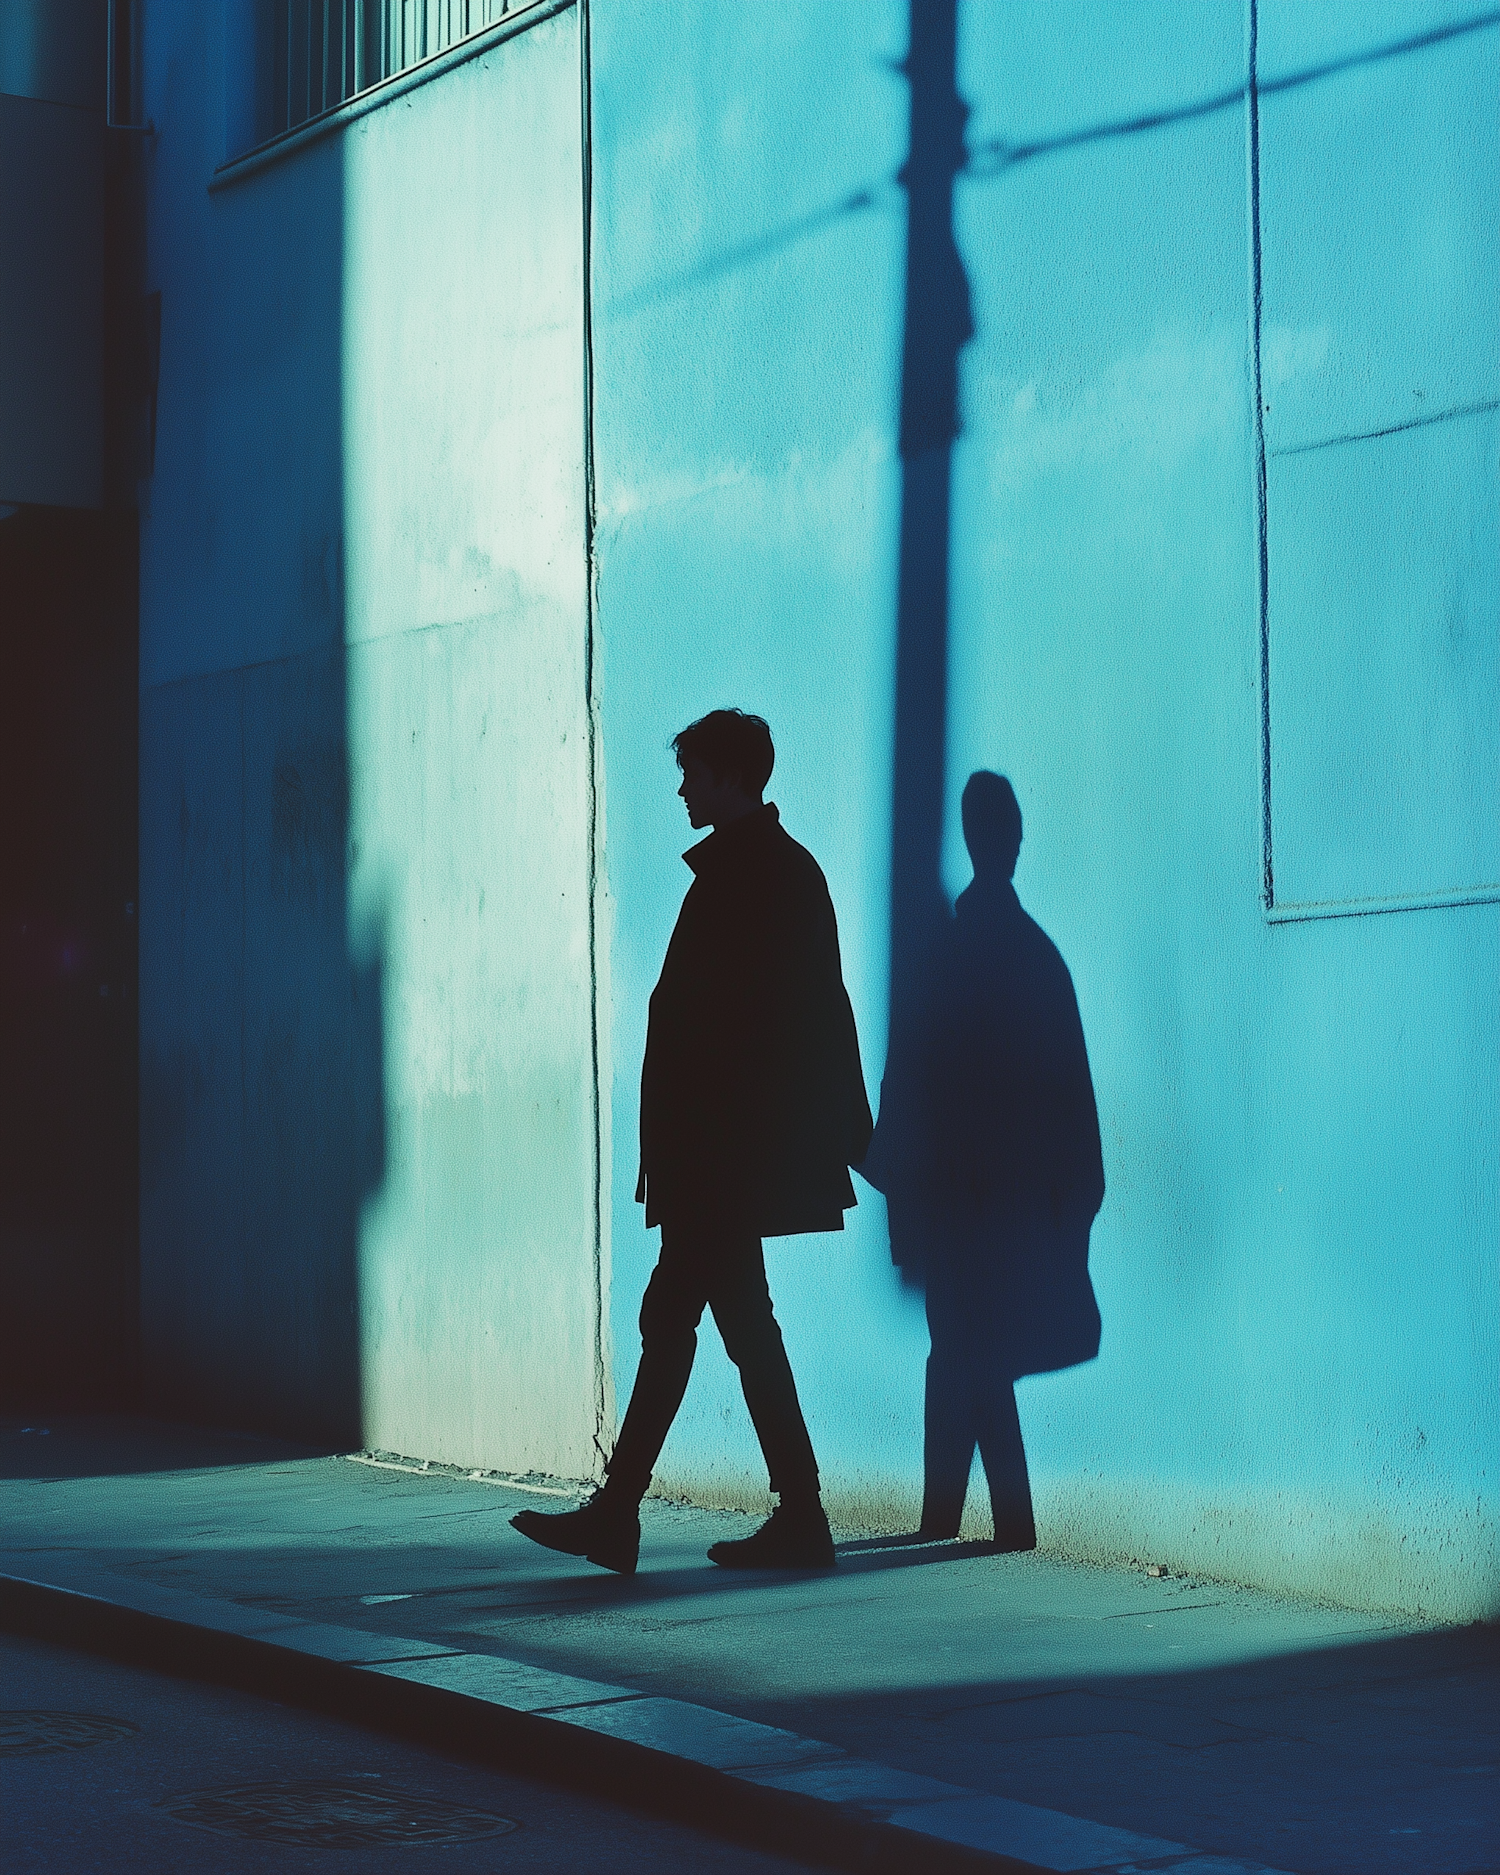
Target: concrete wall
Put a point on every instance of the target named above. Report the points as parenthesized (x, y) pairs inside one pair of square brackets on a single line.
[(368, 791), (470, 752), (747, 345), (370, 1135), (1296, 1263)]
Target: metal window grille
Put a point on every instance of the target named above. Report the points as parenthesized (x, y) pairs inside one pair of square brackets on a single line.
[(324, 52)]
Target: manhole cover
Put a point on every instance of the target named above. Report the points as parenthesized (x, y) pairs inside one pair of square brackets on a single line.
[(24, 1734), (331, 1815)]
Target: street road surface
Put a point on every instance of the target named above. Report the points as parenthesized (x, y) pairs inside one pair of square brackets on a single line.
[(108, 1769)]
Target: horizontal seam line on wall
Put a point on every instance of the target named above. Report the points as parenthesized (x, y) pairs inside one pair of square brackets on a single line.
[(237, 168), (1392, 429), (1295, 911), (238, 670), (342, 649)]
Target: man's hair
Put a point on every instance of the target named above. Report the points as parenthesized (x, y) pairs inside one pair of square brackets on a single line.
[(992, 822), (732, 745)]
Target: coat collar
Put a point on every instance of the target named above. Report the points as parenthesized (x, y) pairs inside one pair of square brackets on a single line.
[(723, 846)]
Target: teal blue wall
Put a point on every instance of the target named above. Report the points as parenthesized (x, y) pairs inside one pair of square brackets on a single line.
[(747, 505), (1296, 1262), (408, 813)]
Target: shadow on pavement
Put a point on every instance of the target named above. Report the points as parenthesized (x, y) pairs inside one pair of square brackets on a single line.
[(44, 1447)]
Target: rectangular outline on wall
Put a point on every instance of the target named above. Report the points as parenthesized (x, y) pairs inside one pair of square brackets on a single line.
[(1296, 911)]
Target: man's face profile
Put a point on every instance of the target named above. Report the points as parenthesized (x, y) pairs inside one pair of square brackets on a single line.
[(711, 799)]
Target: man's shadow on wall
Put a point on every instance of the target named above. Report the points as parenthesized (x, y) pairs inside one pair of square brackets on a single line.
[(987, 1151)]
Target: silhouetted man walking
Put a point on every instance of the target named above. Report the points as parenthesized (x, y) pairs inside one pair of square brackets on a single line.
[(753, 1108)]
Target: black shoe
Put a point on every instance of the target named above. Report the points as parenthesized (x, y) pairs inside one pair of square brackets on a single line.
[(790, 1538), (600, 1531)]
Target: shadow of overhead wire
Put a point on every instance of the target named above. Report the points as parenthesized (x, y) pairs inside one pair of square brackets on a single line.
[(996, 157), (792, 234)]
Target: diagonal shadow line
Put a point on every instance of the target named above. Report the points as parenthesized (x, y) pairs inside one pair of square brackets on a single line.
[(1485, 408), (762, 248), (996, 157)]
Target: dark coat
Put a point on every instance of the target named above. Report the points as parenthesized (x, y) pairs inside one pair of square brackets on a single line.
[(988, 1145), (753, 1100)]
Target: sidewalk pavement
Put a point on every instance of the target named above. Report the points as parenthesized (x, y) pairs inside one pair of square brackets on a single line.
[(924, 1706)]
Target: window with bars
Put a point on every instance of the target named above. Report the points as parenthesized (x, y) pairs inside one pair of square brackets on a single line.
[(317, 54)]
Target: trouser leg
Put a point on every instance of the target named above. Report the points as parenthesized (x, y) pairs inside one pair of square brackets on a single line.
[(670, 1313), (1004, 1454), (948, 1429), (741, 1302), (947, 1446)]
